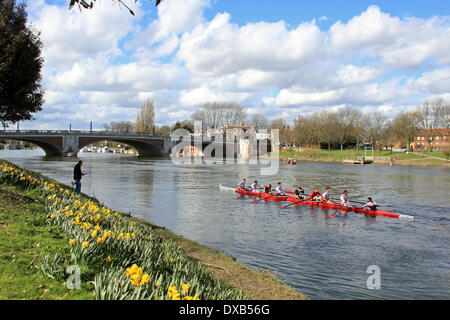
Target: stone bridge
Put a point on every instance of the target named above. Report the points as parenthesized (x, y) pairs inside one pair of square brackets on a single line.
[(69, 143), (66, 143)]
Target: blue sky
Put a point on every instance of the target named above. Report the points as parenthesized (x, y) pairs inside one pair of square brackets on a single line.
[(295, 11), (277, 58)]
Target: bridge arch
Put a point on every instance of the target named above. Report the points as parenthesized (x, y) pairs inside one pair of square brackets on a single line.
[(144, 148), (51, 147)]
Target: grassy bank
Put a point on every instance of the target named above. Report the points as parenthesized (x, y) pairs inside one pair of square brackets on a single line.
[(47, 228), (435, 158)]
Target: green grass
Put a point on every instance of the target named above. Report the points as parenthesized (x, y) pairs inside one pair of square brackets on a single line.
[(38, 218), (25, 239), (340, 155)]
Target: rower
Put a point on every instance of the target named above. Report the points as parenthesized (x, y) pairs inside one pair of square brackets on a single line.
[(370, 205), (300, 193), (255, 187), (315, 195), (279, 190), (268, 188), (326, 196), (344, 199), (241, 184)]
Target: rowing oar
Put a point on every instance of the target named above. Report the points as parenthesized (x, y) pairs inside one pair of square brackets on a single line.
[(382, 206), (297, 202), (241, 195), (338, 209), (255, 201)]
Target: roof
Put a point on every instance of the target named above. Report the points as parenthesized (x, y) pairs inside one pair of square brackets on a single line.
[(235, 127), (435, 132)]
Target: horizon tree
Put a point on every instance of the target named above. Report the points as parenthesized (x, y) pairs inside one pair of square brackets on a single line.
[(348, 125), (433, 115), (121, 126), (375, 124), (145, 118), (217, 114), (327, 120), (406, 126), (284, 130), (259, 121)]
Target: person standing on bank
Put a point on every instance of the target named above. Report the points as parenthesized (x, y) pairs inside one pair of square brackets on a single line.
[(77, 174)]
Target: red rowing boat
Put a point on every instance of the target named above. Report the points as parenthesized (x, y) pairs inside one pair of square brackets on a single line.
[(334, 206), (264, 195)]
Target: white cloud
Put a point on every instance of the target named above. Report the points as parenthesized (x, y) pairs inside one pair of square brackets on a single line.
[(400, 43), (70, 36), (220, 47), (104, 63)]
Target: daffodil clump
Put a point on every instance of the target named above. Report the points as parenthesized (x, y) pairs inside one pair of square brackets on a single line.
[(137, 276), (116, 248)]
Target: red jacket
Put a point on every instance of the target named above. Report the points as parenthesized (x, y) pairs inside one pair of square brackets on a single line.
[(315, 193)]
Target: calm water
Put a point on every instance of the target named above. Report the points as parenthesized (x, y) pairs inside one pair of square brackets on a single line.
[(322, 257)]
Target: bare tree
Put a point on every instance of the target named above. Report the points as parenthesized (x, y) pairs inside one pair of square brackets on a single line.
[(258, 121), (306, 130), (348, 125), (122, 126), (405, 127), (284, 130), (327, 122), (162, 130), (375, 128), (433, 115), (145, 118), (233, 114), (218, 114)]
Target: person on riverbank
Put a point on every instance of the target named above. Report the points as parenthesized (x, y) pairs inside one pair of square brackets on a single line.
[(370, 205), (279, 190), (315, 195), (326, 196), (77, 175), (300, 193), (344, 202), (241, 184)]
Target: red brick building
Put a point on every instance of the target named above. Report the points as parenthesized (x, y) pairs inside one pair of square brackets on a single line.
[(435, 139)]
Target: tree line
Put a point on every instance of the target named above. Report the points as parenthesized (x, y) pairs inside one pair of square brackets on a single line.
[(350, 127), (328, 129), (212, 115)]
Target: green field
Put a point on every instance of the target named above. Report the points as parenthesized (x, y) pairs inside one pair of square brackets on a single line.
[(340, 155)]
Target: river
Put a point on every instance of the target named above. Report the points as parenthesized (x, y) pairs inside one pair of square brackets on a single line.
[(320, 256)]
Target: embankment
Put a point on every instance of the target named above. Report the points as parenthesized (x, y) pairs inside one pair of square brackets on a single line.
[(46, 228)]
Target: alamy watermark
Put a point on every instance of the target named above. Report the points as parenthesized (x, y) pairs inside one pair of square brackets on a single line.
[(374, 280), (227, 146), (74, 280)]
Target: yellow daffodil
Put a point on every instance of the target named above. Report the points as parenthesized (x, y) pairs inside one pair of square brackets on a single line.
[(171, 291), (145, 278), (185, 288)]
